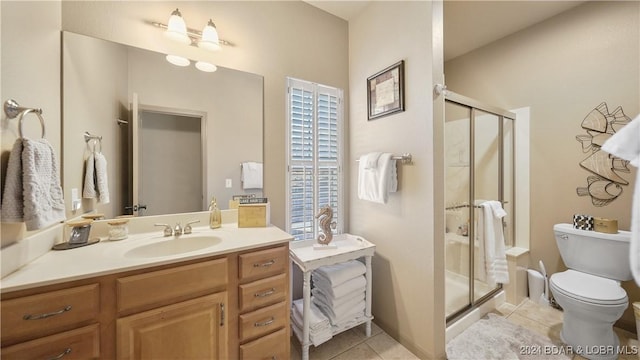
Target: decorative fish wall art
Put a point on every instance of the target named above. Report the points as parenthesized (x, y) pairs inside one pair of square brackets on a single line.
[(605, 182)]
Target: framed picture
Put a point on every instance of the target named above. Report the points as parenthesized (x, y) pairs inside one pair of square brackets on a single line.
[(385, 91)]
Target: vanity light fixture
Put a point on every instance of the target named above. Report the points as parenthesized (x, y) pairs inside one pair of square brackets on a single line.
[(206, 39)]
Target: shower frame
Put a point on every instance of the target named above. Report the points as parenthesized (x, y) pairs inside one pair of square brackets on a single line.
[(474, 106)]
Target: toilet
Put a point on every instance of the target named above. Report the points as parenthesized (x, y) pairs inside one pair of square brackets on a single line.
[(589, 292)]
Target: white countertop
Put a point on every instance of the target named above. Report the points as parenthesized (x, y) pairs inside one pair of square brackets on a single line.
[(109, 257)]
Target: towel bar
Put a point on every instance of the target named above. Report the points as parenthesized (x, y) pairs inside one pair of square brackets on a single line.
[(13, 110), (405, 158)]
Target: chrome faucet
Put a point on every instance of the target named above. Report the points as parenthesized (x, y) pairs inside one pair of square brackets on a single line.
[(177, 231), (167, 229), (187, 228)]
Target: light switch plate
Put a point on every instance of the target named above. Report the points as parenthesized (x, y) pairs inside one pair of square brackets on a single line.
[(228, 183)]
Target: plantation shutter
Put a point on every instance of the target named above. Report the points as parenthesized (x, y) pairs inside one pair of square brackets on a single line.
[(314, 156)]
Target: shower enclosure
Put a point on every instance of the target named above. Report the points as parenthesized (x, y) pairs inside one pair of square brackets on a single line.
[(479, 166)]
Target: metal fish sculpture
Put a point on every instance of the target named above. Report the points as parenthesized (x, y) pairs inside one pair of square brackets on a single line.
[(596, 120), (601, 163), (602, 191)]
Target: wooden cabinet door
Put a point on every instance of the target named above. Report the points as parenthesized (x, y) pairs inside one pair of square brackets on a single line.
[(193, 329)]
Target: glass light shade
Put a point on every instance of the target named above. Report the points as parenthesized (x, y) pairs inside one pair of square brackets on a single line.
[(205, 66), (178, 60), (177, 29), (210, 40)]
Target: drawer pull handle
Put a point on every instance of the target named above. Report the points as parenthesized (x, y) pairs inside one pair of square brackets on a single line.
[(44, 316), (265, 323), (265, 293), (62, 354), (265, 264), (221, 314)]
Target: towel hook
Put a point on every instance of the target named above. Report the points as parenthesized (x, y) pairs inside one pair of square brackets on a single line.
[(97, 140), (13, 110)]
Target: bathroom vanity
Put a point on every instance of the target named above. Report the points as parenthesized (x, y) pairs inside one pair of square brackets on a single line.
[(227, 300)]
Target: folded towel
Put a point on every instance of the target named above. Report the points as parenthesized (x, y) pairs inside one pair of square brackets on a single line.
[(317, 320), (89, 190), (315, 337), (339, 314), (337, 302), (319, 325), (625, 145), (43, 199), (393, 176), (12, 198), (251, 175), (102, 184), (348, 323), (336, 292), (494, 248), (340, 273), (373, 182)]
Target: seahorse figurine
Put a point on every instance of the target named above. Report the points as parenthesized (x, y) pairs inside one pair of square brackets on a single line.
[(326, 225)]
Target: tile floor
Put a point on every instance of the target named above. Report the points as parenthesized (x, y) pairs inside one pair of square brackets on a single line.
[(354, 345)]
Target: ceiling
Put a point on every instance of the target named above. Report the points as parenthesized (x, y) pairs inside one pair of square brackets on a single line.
[(469, 25)]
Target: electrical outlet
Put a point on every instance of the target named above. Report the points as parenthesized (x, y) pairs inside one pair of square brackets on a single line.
[(228, 183)]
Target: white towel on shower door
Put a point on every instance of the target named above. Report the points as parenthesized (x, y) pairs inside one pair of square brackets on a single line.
[(494, 248), (625, 144)]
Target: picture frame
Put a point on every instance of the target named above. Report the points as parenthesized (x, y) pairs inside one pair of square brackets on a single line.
[(385, 91)]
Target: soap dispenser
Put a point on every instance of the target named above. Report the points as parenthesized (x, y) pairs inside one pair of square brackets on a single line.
[(215, 217)]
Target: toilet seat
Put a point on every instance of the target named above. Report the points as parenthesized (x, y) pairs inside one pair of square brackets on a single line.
[(588, 288)]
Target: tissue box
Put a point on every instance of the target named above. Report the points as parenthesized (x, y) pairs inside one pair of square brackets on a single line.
[(583, 222), (254, 215), (603, 225)]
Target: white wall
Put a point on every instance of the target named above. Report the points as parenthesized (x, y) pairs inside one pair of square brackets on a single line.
[(562, 68), (30, 74), (405, 267)]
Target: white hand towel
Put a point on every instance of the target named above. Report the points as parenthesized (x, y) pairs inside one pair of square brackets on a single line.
[(393, 176), (12, 198), (317, 320), (349, 322), (43, 199), (340, 273), (373, 182), (101, 180), (251, 175), (625, 144), (89, 190), (315, 337), (495, 252), (339, 291), (371, 160)]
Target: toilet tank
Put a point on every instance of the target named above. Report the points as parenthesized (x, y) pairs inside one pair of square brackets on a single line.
[(593, 252)]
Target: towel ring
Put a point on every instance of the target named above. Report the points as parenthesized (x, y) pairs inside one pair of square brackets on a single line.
[(38, 113)]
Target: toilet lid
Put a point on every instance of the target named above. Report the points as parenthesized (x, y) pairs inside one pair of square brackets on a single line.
[(589, 288)]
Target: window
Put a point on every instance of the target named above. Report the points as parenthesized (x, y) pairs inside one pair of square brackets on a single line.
[(314, 156)]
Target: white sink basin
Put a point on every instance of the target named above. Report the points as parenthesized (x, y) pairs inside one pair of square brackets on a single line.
[(172, 246)]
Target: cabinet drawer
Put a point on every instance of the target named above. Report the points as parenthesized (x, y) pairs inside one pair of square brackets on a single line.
[(263, 263), (139, 292), (262, 292), (272, 346), (43, 314), (263, 321), (83, 343)]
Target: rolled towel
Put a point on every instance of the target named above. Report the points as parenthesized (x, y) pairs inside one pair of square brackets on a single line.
[(340, 273), (356, 284)]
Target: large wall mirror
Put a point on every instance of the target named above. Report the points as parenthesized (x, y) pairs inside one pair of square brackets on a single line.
[(193, 131)]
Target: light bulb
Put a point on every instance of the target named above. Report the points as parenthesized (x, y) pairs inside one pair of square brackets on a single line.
[(178, 60), (205, 66)]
